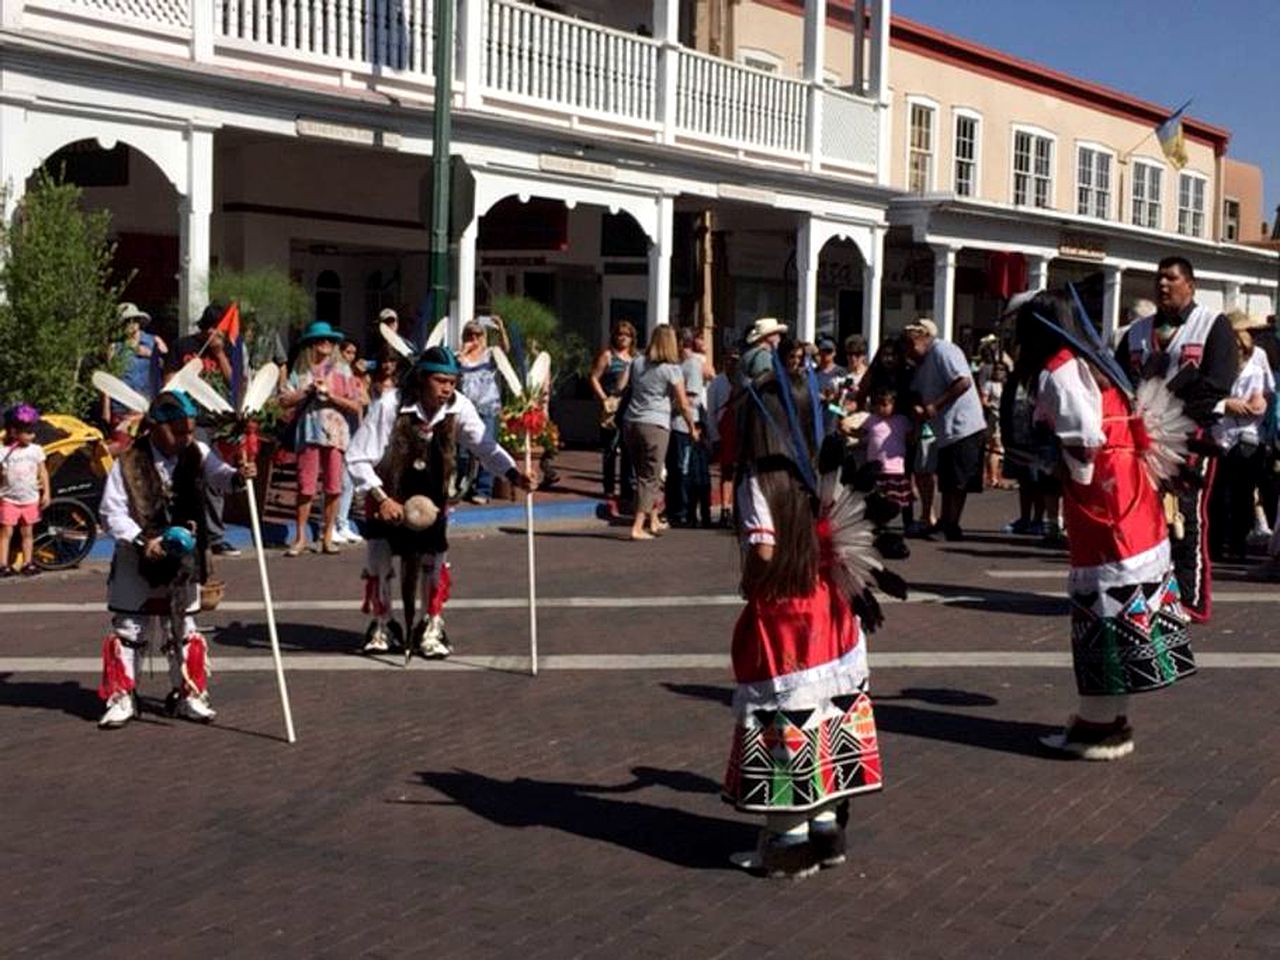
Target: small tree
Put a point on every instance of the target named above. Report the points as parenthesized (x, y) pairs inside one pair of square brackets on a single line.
[(58, 318), (270, 304)]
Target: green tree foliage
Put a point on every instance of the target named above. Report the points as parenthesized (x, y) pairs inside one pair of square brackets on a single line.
[(59, 315), (270, 305), (570, 354)]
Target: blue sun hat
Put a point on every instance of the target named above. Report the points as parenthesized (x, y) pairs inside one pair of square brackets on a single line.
[(438, 360), (320, 330), (172, 405)]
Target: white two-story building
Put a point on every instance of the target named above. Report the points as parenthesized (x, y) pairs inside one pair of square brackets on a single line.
[(617, 171)]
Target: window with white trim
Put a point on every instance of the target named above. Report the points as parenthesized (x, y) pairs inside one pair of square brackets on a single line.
[(920, 147), (968, 133), (1191, 204), (759, 60), (1032, 169), (1093, 182), (1147, 178), (1230, 219)]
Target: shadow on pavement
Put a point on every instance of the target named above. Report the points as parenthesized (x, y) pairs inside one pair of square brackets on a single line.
[(65, 695), (613, 533), (665, 833), (1031, 552), (990, 599), (987, 733), (293, 637)]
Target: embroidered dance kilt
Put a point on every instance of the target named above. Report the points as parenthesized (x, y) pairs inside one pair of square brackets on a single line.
[(1128, 627), (805, 732)]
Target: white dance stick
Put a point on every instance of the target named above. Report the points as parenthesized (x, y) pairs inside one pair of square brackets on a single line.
[(533, 587), (271, 613)]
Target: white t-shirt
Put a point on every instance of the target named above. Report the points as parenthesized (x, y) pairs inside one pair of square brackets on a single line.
[(20, 473), (1255, 376)]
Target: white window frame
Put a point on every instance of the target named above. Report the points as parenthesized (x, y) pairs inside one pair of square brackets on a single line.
[(1053, 166), (1239, 208), (913, 101), (1098, 150), (968, 114), (1193, 175), (758, 59), (1152, 164)]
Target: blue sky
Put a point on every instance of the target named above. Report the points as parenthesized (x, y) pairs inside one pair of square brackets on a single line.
[(1222, 54)]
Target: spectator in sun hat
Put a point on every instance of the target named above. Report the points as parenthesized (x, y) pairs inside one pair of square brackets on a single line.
[(206, 343), (322, 392), (762, 340)]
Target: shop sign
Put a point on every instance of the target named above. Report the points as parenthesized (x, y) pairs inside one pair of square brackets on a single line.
[(575, 167), (1082, 246)]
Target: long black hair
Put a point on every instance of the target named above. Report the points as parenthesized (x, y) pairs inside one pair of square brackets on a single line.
[(1037, 341)]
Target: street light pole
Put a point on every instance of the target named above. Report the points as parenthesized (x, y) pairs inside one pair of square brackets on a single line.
[(442, 124)]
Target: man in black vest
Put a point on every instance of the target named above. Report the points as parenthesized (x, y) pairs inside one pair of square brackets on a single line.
[(1194, 350), (404, 451), (153, 508)]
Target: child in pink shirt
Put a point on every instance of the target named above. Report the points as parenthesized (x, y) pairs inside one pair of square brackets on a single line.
[(886, 435), (24, 485)]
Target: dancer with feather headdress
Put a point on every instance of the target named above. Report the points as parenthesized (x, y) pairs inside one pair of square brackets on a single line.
[(1118, 448), (805, 737)]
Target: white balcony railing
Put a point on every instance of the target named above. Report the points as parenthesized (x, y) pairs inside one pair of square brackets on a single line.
[(511, 57), (551, 59), (725, 101), (396, 34)]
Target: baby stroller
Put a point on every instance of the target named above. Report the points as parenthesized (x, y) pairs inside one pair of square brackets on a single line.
[(78, 461)]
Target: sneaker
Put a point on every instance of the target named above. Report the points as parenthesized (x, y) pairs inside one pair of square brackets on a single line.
[(119, 712), (1260, 533), (828, 846), (196, 709), (376, 640), (919, 530), (341, 535), (1093, 741), (434, 644), (224, 549), (1019, 527), (479, 499)]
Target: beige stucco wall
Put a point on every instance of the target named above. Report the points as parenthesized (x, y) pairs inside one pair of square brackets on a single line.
[(780, 33), (1002, 105), (1243, 182)]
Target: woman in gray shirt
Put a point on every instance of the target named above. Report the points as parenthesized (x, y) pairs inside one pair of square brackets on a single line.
[(656, 382)]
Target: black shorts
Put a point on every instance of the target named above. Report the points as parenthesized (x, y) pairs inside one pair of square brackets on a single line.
[(960, 464)]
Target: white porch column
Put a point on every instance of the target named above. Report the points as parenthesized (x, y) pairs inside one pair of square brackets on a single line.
[(202, 31), (193, 220), (815, 31), (944, 287), (666, 30), (470, 47), (1231, 296), (808, 249), (860, 47), (881, 11), (463, 308), (1111, 280), (13, 163), (1037, 272), (872, 277), (11, 14), (659, 310)]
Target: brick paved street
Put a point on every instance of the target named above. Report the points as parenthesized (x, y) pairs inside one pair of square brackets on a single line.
[(483, 813)]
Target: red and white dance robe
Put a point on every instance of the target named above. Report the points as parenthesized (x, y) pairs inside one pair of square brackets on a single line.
[(805, 732), (1128, 626)]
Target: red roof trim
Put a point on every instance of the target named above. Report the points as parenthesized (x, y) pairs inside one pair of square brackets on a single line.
[(910, 35)]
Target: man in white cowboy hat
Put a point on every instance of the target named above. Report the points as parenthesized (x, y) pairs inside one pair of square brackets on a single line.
[(762, 340), (153, 508)]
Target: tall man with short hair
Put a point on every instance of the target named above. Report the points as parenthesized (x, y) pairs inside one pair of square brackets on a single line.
[(1193, 349)]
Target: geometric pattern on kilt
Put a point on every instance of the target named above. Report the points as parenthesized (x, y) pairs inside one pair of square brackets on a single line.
[(800, 759), (1142, 646)]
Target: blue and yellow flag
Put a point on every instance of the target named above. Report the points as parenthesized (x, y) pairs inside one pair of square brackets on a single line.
[(1169, 133)]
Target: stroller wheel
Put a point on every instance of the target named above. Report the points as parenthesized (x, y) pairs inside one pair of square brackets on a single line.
[(65, 535)]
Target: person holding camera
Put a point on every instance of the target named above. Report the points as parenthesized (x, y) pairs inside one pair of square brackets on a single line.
[(321, 392)]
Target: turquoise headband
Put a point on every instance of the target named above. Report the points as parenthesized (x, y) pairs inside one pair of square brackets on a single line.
[(439, 360), (172, 405)]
